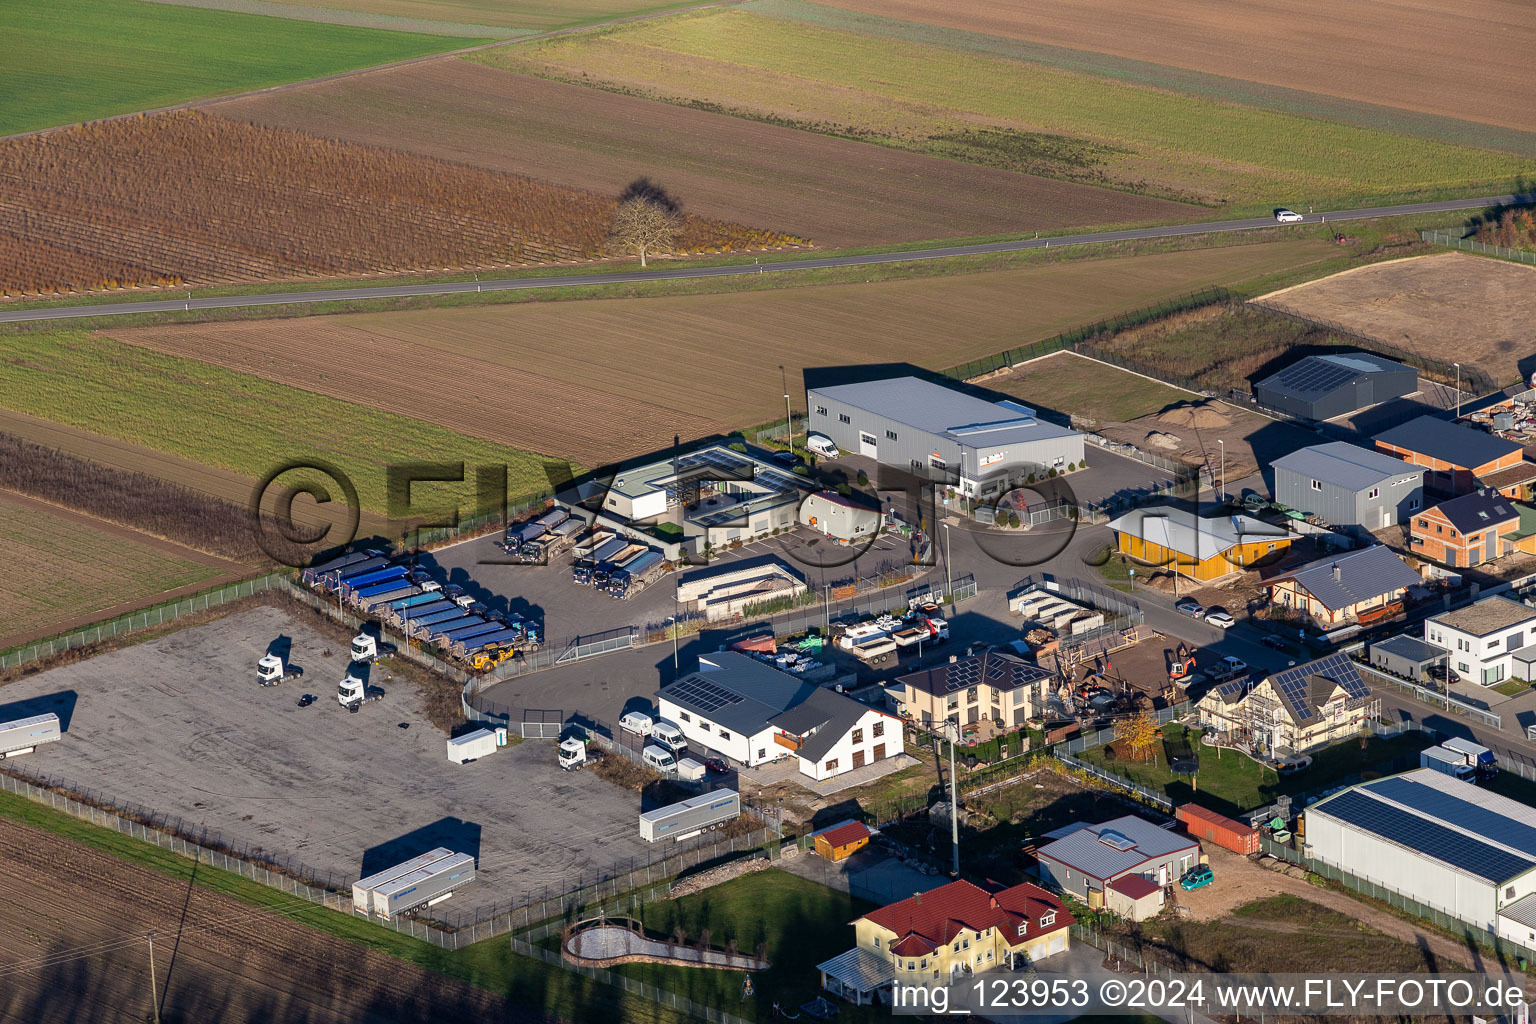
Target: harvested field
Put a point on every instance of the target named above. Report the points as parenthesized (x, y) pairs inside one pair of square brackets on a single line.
[(1452, 60), (954, 102), (187, 198), (527, 14), (245, 424), (1195, 434), (833, 191), (63, 567), (1453, 307), (218, 959), (690, 365), (1091, 392), (76, 60)]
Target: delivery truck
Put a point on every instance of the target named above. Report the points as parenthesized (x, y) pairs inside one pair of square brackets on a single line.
[(474, 745), (688, 818), (637, 575), (363, 888), (1451, 762), (424, 886), (1479, 757), (24, 735)]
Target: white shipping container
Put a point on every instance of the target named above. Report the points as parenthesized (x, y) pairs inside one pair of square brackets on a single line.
[(690, 770), (24, 734), (424, 885), (472, 745), (362, 890)]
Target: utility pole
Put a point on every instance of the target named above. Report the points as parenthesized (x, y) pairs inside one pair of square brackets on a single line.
[(954, 797), (1458, 390), (673, 620), (154, 985), (949, 582), (1223, 469), (789, 423), (826, 606)]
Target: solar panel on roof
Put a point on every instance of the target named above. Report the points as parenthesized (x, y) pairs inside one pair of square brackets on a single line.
[(1398, 826), (1472, 817), (1293, 686), (1315, 375), (703, 694)]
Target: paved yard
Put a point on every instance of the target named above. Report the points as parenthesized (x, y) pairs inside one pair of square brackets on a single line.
[(179, 724)]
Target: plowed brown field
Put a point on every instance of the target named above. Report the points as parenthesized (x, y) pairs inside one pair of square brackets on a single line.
[(829, 190), (216, 959), (596, 380), (1452, 59)]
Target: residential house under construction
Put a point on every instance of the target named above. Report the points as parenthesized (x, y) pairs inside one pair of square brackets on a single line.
[(1294, 710)]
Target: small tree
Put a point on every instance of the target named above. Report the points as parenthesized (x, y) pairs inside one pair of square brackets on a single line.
[(1013, 520), (863, 479), (647, 219), (1138, 734)]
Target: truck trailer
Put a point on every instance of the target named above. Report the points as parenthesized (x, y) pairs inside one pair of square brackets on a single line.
[(332, 580), (1477, 755), (413, 614), (1451, 762), (431, 884), (23, 735), (362, 889), (362, 581), (453, 636), (637, 575), (507, 636), (378, 601), (415, 600), (553, 518), (688, 818), (315, 574)]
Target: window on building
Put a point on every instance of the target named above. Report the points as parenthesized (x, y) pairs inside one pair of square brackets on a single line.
[(831, 765), (724, 735), (821, 410), (1423, 524), (1374, 492), (842, 417), (955, 948), (1018, 696), (1023, 927), (997, 697), (953, 704), (858, 735), (936, 462), (761, 753), (877, 942), (703, 727), (1317, 485), (1413, 503), (965, 943), (878, 729), (970, 695), (685, 716), (890, 435), (911, 965), (989, 956)]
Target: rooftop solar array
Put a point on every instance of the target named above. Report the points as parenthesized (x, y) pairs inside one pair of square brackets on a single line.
[(1293, 684), (1462, 813), (704, 695), (1409, 830), (1316, 376)]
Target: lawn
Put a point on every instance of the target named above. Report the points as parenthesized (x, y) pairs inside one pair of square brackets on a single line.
[(1007, 113), (77, 60), (59, 568), (238, 422), (1092, 391), (490, 964), (1233, 783), (1512, 687)]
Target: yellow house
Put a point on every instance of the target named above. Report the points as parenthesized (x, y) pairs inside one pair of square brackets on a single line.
[(1166, 537), (946, 933), (1294, 710)]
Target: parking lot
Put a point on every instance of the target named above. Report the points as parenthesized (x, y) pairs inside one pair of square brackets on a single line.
[(180, 725)]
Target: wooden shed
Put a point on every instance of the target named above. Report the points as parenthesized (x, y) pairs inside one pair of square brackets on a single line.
[(1211, 827), (841, 841)]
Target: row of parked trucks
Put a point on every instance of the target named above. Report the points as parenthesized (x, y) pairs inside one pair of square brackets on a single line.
[(422, 608), (616, 565), (538, 540)]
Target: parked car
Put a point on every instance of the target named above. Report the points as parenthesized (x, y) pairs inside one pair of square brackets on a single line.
[(787, 459), (1270, 640), (1189, 606), (1197, 877), (1288, 217), (1292, 765), (306, 700), (1219, 617), (1229, 668), (717, 765)]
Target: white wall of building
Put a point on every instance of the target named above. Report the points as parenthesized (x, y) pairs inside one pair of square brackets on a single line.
[(704, 734), (1483, 660), (842, 752)]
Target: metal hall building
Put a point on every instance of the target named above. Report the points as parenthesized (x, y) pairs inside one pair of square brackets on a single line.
[(1322, 387), (939, 432)]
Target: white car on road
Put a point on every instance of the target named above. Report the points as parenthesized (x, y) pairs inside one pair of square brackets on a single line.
[(1218, 617), (1288, 217)]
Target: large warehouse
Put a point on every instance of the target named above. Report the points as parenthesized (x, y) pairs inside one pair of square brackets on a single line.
[(940, 432), (1322, 387), (1446, 843)]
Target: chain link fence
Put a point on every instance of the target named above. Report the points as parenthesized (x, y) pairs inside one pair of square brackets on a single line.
[(139, 621), (1473, 245)]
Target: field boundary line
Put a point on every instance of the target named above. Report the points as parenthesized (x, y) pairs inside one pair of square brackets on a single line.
[(1137, 373), (1342, 273)]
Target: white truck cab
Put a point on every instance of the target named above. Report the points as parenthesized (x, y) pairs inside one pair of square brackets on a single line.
[(573, 754)]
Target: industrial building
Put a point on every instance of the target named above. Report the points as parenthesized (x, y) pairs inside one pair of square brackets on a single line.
[(1323, 387), (839, 518), (943, 433), (938, 936), (1483, 642), (721, 591), (1083, 860), (1458, 458), (1168, 537), (1294, 710), (1348, 486), (994, 685), (1364, 586), (715, 494), (753, 714), (1443, 842)]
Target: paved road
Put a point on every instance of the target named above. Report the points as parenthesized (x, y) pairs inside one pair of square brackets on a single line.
[(687, 273)]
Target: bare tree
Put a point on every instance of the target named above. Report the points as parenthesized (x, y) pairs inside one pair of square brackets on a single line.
[(647, 219)]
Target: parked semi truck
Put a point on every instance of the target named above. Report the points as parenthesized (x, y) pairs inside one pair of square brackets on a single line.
[(1479, 757), (375, 598), (404, 618), (362, 889), (383, 574), (272, 669), (315, 575), (584, 569), (424, 886), (507, 636), (637, 575), (689, 817), (330, 581), (453, 636), (24, 735)]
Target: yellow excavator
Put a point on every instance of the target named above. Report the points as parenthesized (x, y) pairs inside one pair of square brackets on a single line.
[(488, 658)]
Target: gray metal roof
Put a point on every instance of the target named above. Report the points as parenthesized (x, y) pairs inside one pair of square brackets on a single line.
[(830, 714), (1448, 442), (1411, 648), (1316, 376), (997, 669), (1181, 530), (1346, 465), (1084, 851), (1361, 575), (1477, 511), (738, 692), (963, 418), (1523, 910)]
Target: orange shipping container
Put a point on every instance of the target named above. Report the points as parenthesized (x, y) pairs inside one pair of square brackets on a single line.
[(1214, 828)]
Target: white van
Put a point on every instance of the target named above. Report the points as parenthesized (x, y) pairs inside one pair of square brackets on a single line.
[(637, 722), (817, 444), (669, 736), (659, 758)]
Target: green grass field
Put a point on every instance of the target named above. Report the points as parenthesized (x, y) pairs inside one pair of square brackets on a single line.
[(1087, 389), (540, 15), (1006, 113), (1233, 782), (59, 569), (77, 60), (238, 422)]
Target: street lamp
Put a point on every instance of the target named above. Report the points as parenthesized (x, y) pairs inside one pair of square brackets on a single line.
[(1458, 389), (953, 732), (789, 423), (1223, 469), (672, 619), (949, 582)]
